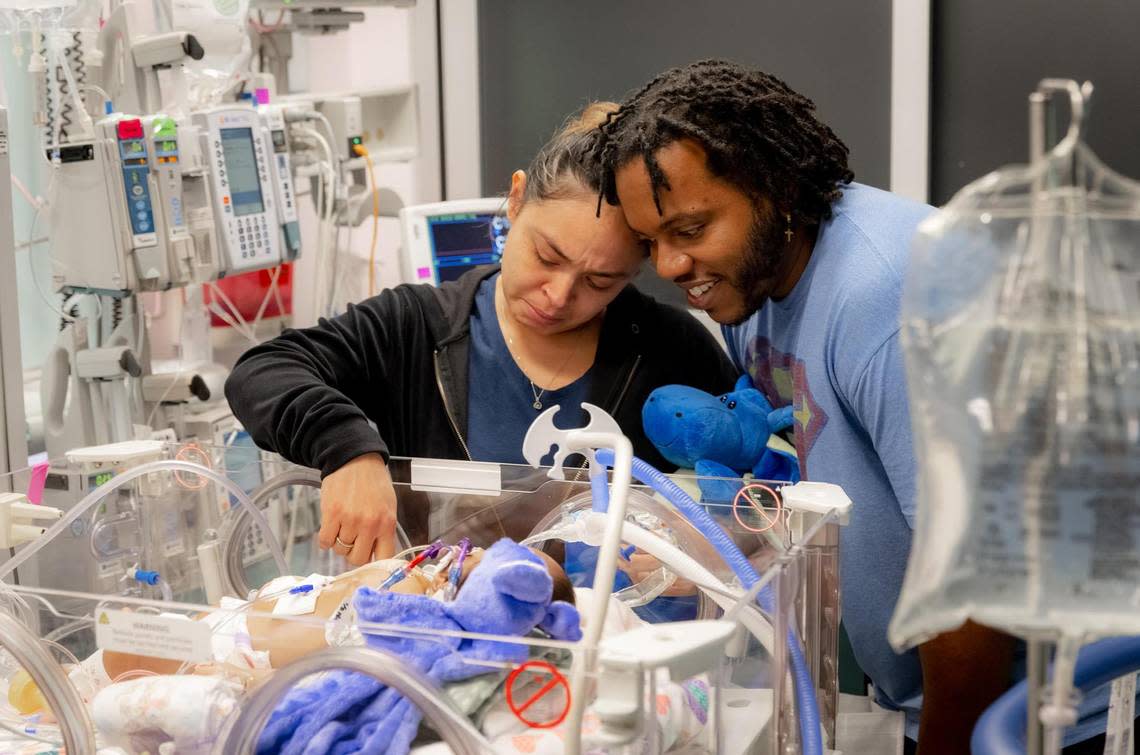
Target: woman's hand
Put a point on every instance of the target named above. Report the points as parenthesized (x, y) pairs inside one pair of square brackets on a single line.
[(358, 511)]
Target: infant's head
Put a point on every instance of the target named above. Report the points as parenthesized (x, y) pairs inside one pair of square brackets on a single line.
[(563, 589), (420, 583), (511, 590)]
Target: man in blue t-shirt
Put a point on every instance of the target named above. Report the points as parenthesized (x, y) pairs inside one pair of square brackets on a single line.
[(746, 200)]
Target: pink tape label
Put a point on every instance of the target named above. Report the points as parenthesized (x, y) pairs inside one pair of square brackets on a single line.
[(36, 484)]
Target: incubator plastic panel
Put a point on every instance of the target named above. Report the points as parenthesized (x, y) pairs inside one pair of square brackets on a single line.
[(723, 685), (156, 522)]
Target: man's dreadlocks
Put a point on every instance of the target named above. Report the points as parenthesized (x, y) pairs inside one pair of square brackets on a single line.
[(758, 133)]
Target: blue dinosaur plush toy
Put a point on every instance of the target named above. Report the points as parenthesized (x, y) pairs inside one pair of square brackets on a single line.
[(721, 436), (508, 594)]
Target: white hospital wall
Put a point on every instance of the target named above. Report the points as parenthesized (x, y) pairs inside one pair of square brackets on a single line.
[(373, 54)]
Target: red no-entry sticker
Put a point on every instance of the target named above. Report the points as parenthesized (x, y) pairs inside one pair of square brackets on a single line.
[(519, 707)]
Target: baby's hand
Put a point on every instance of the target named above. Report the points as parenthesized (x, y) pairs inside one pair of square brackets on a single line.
[(642, 565)]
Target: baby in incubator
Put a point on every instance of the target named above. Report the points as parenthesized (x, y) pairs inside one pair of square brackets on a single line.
[(250, 646), (249, 641)]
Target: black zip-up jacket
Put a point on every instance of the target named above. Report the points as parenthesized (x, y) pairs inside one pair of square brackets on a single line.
[(399, 360)]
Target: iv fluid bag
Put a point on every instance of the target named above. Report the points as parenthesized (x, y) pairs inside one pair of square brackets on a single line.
[(1021, 331)]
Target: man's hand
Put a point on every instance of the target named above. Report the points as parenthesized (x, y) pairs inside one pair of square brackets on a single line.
[(963, 671), (358, 511)]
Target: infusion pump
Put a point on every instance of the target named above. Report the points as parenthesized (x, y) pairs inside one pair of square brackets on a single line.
[(245, 206), (156, 202)]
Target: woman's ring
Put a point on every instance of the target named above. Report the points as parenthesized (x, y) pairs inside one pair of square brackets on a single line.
[(343, 544)]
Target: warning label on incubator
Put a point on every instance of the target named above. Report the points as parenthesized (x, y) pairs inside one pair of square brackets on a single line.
[(156, 636)]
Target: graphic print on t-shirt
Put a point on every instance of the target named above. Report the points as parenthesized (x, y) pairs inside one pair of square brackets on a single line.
[(783, 380)]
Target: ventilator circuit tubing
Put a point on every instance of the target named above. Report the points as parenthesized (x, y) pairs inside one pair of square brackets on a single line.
[(808, 709), (163, 465), (1001, 729)]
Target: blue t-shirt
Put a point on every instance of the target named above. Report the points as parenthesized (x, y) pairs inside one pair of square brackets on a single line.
[(831, 349), (500, 398)]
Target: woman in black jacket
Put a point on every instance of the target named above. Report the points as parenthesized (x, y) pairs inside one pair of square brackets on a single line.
[(459, 371)]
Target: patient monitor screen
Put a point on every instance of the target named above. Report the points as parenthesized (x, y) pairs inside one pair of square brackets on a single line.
[(462, 241), (241, 170)]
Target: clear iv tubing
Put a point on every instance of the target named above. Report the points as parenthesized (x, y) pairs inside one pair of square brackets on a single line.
[(61, 695), (162, 465), (810, 740)]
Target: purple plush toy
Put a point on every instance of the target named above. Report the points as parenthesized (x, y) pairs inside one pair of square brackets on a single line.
[(507, 594)]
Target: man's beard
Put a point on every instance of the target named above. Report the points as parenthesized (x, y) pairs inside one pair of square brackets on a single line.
[(760, 262)]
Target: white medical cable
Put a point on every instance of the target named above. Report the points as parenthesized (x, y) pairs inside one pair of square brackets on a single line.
[(237, 321), (322, 191), (31, 244), (332, 134), (327, 211), (330, 159), (33, 201), (69, 76), (265, 300), (56, 309), (216, 309), (280, 301), (230, 306), (25, 735), (97, 90), (181, 366)]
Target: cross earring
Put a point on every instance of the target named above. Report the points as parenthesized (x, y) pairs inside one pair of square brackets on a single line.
[(789, 232)]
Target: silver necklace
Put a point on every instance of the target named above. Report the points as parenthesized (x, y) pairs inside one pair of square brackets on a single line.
[(535, 390)]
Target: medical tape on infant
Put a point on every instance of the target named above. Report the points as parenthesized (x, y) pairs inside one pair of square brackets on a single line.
[(341, 629), (230, 640), (300, 599)]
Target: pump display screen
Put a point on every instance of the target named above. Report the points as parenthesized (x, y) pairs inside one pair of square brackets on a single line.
[(241, 171), (465, 240)]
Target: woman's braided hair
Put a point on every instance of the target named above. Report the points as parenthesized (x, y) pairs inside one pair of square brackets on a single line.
[(758, 133)]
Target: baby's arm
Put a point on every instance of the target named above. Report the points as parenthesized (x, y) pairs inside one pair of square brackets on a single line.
[(286, 641)]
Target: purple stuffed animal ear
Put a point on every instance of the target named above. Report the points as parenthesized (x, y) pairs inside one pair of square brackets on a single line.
[(524, 580), (562, 622)]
